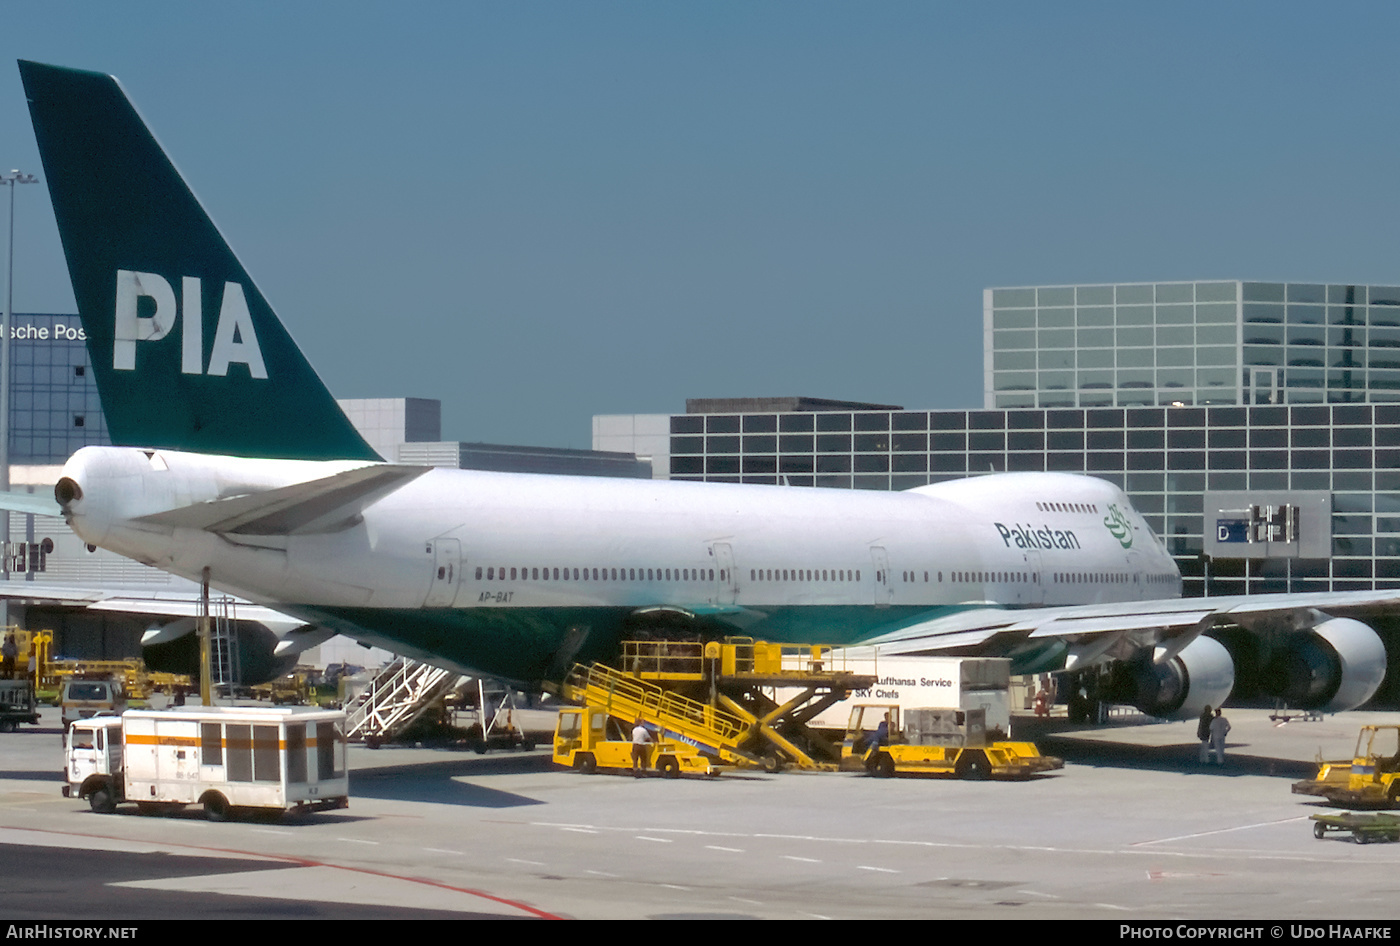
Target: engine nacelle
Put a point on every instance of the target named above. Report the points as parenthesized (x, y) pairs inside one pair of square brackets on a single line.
[(174, 648), (1201, 675), (1336, 666)]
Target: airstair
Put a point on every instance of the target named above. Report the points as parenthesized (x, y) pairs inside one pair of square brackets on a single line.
[(223, 644), (728, 711), (396, 698)]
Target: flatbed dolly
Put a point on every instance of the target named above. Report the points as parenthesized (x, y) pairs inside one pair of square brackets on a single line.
[(1364, 828)]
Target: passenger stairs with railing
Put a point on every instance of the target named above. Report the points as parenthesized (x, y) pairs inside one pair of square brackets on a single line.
[(397, 697)]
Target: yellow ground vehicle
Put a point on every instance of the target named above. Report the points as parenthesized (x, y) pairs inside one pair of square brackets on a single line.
[(1371, 777), (588, 740), (936, 742)]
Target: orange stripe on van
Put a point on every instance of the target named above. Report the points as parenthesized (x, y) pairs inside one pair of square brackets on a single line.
[(132, 740), (143, 740)]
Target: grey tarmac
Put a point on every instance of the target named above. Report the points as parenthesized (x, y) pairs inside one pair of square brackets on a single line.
[(1131, 828)]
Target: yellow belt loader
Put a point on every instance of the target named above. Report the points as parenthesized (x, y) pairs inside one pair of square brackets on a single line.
[(935, 742), (1371, 777)]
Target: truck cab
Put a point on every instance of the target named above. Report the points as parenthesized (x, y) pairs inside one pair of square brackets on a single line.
[(93, 766)]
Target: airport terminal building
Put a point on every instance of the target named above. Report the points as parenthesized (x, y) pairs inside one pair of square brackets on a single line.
[(1255, 425)]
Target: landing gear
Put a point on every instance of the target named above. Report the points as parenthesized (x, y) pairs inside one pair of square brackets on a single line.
[(1082, 701)]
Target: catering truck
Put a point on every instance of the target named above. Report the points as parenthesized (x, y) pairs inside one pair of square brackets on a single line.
[(958, 683), (278, 759)]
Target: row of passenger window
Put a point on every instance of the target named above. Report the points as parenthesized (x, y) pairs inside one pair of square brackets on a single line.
[(502, 573), (804, 574), (1070, 578), (494, 573), (1068, 507), (1092, 578), (984, 577)]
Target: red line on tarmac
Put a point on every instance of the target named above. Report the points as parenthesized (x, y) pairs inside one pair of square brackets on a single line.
[(307, 862)]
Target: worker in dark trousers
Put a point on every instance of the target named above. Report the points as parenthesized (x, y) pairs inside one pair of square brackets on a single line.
[(641, 741), (1203, 733), (9, 652)]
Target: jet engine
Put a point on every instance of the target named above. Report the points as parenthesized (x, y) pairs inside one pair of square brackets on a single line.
[(174, 648), (1201, 675), (1337, 665)]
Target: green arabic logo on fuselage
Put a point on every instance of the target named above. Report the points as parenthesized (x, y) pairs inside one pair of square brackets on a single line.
[(1119, 526)]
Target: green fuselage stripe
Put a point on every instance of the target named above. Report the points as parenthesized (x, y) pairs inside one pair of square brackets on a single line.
[(524, 643)]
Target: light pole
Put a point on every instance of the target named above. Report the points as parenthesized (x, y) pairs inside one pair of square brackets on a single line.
[(13, 179)]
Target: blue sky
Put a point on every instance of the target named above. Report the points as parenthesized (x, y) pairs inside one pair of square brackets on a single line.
[(538, 212)]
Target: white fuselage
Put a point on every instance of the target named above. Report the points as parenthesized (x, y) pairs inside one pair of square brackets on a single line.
[(499, 542)]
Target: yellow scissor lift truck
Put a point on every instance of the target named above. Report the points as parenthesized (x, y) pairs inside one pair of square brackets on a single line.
[(1370, 778), (709, 696), (935, 742)]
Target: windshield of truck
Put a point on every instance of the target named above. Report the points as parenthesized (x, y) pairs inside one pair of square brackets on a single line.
[(1385, 745), (88, 691)]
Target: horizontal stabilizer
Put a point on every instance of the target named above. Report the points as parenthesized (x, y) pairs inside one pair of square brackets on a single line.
[(322, 505), (38, 504)]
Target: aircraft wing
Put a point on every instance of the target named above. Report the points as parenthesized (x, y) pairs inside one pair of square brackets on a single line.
[(39, 504), (1172, 622)]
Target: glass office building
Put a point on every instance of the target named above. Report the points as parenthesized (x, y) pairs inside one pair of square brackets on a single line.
[(1224, 409), (1182, 466), (53, 394), (1191, 343)]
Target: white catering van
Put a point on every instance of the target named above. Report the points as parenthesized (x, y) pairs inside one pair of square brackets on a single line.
[(287, 759)]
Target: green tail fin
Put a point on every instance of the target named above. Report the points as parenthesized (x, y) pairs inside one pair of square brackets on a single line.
[(187, 353)]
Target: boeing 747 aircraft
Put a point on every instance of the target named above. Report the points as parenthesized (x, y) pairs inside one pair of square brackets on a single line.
[(236, 463)]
